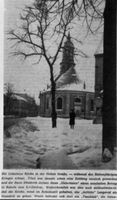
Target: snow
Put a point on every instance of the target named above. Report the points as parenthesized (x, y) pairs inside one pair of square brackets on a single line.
[(34, 138), (76, 87), (15, 96)]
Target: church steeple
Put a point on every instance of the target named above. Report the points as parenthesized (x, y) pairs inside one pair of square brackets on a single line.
[(69, 37), (68, 55)]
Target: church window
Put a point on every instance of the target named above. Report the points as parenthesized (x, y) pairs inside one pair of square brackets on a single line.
[(77, 100), (92, 105), (59, 103)]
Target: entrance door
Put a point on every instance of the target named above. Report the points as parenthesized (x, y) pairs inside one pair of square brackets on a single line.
[(77, 109)]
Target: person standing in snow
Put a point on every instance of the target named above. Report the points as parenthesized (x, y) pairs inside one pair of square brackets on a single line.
[(72, 116)]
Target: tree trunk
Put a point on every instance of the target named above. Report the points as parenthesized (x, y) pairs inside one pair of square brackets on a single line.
[(53, 114), (109, 77)]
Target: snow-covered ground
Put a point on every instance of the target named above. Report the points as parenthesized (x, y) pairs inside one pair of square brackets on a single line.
[(33, 137)]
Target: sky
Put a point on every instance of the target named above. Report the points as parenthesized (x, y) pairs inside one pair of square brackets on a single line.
[(30, 78)]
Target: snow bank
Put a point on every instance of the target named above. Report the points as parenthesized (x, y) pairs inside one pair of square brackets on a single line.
[(34, 138), (56, 160), (20, 127)]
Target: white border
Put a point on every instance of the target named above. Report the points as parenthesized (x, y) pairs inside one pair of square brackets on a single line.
[(1, 78)]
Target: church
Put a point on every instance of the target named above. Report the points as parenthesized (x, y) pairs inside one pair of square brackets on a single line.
[(71, 92)]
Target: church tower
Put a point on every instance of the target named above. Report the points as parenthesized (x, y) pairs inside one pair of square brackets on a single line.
[(68, 55)]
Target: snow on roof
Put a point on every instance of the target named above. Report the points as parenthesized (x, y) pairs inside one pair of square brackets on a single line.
[(70, 81), (15, 96), (69, 77), (76, 87)]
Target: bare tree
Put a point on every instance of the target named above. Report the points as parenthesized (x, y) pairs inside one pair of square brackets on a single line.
[(62, 13), (87, 11), (103, 12), (41, 27)]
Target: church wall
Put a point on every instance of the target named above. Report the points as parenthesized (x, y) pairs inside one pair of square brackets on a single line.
[(62, 111), (90, 109), (82, 108), (67, 103)]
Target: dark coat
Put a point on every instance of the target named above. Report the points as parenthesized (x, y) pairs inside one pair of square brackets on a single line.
[(72, 116)]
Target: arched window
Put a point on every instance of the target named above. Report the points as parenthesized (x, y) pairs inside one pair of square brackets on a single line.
[(59, 103), (77, 100)]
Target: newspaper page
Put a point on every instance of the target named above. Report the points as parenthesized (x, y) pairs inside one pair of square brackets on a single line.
[(53, 141)]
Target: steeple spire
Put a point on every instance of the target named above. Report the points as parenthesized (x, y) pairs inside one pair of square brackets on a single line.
[(69, 37), (68, 55)]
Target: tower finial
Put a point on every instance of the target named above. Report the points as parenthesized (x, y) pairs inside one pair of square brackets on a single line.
[(84, 85)]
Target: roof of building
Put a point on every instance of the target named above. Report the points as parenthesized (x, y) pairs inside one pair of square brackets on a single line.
[(69, 77), (73, 87), (70, 81), (22, 97), (18, 97)]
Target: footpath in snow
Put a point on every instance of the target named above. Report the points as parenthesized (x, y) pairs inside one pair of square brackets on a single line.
[(57, 148)]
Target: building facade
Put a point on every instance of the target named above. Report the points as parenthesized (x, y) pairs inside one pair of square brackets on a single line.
[(20, 104), (71, 92)]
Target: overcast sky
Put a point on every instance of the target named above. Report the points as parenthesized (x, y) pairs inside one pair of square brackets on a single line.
[(34, 78)]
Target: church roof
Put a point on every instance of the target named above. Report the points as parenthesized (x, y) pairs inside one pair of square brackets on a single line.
[(69, 77), (76, 87), (70, 81)]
